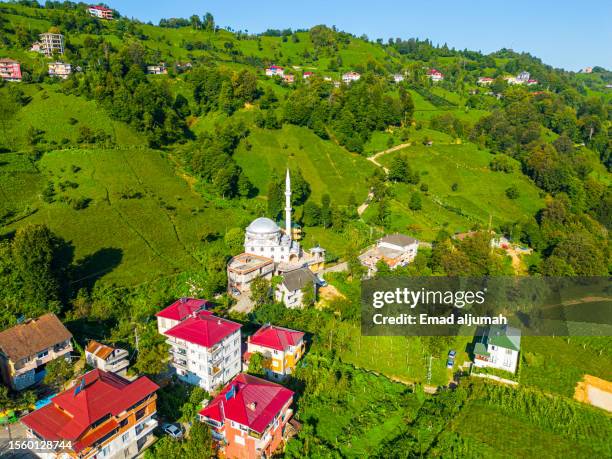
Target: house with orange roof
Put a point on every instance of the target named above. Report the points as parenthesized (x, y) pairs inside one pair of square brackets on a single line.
[(106, 358)]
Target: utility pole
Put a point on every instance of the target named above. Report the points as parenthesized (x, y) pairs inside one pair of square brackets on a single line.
[(429, 369)]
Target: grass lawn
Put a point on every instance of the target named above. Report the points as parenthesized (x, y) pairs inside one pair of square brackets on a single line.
[(142, 221)]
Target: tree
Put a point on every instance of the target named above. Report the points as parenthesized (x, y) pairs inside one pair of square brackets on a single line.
[(276, 197), (196, 22), (256, 364), (512, 192), (311, 215), (58, 373), (209, 22), (326, 211), (415, 201), (261, 291), (382, 212), (309, 296)]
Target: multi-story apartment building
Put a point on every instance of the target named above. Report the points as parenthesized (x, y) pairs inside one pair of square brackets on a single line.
[(10, 70), (281, 347), (102, 416), (106, 358), (100, 12), (27, 348), (49, 43), (205, 350), (249, 418), (60, 70)]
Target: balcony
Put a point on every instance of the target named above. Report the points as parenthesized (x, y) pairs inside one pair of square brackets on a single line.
[(179, 363), (118, 366), (178, 351), (53, 353)]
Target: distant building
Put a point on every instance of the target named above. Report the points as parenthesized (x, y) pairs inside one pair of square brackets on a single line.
[(485, 81), (159, 69), (398, 77), (27, 348), (289, 78), (205, 350), (49, 43), (275, 70), (106, 358), (435, 75), (250, 418), (290, 290), (531, 82), (102, 416), (10, 70), (523, 77), (244, 269), (183, 66), (395, 250), (349, 77), (100, 12), (587, 70), (281, 347), (60, 70), (499, 347), (307, 75)]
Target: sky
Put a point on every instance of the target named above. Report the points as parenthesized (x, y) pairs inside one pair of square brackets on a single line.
[(570, 34)]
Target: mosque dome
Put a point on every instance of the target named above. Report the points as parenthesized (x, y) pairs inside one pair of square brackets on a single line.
[(262, 225)]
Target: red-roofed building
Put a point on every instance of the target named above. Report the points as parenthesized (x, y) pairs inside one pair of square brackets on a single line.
[(10, 70), (485, 80), (100, 12), (435, 75), (275, 70), (102, 415), (204, 349), (307, 75), (281, 348), (179, 311), (249, 417)]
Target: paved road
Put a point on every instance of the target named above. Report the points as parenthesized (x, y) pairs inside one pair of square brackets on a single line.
[(13, 432)]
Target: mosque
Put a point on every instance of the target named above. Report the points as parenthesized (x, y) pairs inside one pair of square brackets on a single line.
[(270, 250)]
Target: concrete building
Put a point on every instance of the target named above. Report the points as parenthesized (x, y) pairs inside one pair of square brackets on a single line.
[(27, 348), (250, 418), (102, 416), (60, 70), (205, 349), (499, 348), (281, 347), (244, 269), (106, 358), (159, 69), (290, 290), (395, 250), (349, 77), (49, 43), (100, 12), (10, 70)]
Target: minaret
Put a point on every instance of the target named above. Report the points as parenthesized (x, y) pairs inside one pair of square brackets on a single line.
[(288, 205)]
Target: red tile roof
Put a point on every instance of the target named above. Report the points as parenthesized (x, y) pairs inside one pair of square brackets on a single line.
[(204, 329), (72, 412), (276, 337), (183, 308), (98, 7), (255, 404)]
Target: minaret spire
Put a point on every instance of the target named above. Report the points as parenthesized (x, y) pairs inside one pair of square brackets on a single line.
[(288, 205)]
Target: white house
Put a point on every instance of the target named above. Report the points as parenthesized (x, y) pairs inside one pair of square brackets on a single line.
[(398, 77), (349, 77), (159, 69), (435, 75), (485, 81), (523, 77), (275, 70), (204, 349), (499, 347), (395, 250), (100, 12), (60, 70), (106, 358), (289, 291)]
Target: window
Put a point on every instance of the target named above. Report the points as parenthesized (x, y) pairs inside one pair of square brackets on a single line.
[(43, 354), (139, 428), (140, 413), (105, 451), (125, 437)]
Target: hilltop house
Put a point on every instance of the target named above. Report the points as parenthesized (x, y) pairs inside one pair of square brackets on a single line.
[(275, 70), (349, 77), (249, 418), (485, 81), (435, 75), (102, 416), (159, 69), (100, 12), (498, 347), (290, 290), (204, 349), (60, 70), (395, 250), (523, 77), (27, 348), (281, 347), (49, 43), (106, 358), (10, 70)]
